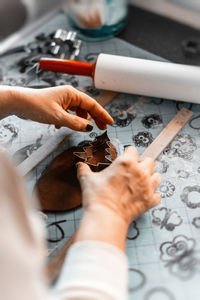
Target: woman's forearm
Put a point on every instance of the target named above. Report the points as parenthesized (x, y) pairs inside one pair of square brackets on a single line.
[(95, 260), (10, 100), (101, 224), (6, 101)]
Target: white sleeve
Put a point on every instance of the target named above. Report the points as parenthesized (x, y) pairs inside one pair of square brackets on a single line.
[(21, 241), (93, 271)]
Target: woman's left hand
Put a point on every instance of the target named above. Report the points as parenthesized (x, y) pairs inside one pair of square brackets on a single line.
[(51, 105)]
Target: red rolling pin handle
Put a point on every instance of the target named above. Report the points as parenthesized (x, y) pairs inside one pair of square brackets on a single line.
[(68, 66)]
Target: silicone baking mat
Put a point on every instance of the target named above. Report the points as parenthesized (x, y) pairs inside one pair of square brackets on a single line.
[(163, 245)]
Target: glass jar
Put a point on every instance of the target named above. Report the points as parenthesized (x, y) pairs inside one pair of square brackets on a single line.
[(97, 19)]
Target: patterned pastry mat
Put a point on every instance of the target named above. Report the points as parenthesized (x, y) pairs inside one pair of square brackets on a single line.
[(163, 245)]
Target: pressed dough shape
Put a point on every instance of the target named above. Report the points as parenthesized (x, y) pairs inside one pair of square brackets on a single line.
[(58, 188)]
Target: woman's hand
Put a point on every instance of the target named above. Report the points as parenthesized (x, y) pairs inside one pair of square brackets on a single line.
[(127, 187), (116, 196), (51, 105)]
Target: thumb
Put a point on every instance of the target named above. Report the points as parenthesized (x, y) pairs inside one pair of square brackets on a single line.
[(83, 170), (75, 123)]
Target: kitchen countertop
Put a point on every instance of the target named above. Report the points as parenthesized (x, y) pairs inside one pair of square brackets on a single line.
[(163, 245), (159, 35)]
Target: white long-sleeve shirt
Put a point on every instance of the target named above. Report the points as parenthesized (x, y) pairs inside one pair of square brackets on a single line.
[(92, 270)]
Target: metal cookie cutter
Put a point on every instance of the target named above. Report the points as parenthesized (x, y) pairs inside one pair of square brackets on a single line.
[(65, 44), (98, 154)]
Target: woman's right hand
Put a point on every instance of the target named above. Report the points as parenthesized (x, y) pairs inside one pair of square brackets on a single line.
[(127, 187)]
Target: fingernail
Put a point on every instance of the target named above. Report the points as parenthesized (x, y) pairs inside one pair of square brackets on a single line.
[(89, 127)]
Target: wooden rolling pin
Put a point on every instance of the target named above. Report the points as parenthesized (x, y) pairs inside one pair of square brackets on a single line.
[(53, 268), (135, 76)]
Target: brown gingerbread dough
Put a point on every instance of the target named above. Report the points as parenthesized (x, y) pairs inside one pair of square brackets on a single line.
[(58, 188)]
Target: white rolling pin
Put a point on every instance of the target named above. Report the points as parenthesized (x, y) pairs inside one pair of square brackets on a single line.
[(135, 76)]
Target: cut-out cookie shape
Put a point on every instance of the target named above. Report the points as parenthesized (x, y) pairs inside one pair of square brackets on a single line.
[(58, 188)]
